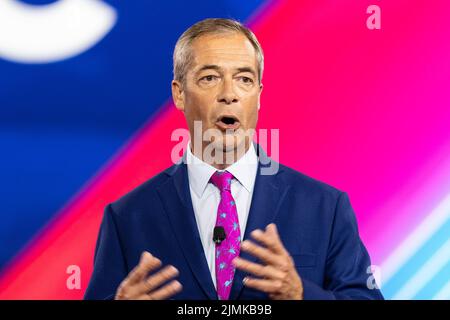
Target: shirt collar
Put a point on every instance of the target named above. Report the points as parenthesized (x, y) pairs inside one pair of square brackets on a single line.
[(244, 170)]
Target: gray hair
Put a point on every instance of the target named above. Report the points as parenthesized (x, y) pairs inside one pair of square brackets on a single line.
[(183, 57)]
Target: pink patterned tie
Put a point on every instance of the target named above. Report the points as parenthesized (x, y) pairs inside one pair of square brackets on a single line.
[(229, 248)]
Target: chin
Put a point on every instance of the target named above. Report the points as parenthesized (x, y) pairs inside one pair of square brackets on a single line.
[(227, 149), (231, 143)]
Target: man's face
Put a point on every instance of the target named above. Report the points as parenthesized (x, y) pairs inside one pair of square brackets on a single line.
[(222, 89)]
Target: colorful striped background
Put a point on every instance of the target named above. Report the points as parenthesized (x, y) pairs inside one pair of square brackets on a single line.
[(367, 111)]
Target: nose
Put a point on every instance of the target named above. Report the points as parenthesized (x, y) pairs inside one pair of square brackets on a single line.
[(227, 94)]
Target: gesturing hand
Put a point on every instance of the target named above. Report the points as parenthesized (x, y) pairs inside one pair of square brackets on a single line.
[(139, 286), (277, 275)]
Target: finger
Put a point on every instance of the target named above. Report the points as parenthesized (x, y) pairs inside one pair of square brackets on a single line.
[(264, 285), (165, 292), (260, 252), (156, 280), (270, 239), (259, 270), (146, 264)]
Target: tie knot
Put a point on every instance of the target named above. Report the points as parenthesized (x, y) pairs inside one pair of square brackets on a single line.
[(222, 180)]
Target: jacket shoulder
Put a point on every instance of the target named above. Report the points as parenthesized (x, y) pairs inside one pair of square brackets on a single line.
[(145, 193), (305, 184)]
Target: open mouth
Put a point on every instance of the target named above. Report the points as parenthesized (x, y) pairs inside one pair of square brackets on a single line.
[(228, 122)]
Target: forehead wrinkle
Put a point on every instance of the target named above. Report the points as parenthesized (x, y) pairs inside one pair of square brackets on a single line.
[(210, 49), (218, 59), (225, 54)]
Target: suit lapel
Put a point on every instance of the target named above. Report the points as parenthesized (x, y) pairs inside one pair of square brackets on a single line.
[(176, 199), (267, 196)]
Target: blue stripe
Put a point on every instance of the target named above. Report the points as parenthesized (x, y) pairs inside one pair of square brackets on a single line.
[(436, 283), (391, 287)]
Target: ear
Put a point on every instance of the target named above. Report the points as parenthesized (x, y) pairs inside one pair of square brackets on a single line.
[(260, 91), (178, 95)]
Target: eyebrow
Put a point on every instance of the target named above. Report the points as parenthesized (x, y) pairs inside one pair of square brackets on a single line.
[(217, 68), (247, 69), (208, 67)]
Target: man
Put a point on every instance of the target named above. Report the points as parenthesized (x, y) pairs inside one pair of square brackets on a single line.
[(178, 236)]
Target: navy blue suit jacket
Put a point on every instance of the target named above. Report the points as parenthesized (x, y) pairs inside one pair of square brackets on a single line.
[(316, 224)]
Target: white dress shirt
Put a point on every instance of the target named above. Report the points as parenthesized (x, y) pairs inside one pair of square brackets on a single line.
[(206, 197)]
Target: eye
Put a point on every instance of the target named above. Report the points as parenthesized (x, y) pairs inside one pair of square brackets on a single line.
[(208, 78), (246, 80)]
